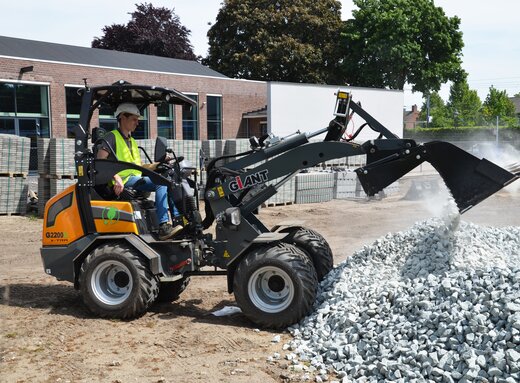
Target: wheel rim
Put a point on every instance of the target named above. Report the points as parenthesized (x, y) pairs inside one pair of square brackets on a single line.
[(271, 289), (112, 282)]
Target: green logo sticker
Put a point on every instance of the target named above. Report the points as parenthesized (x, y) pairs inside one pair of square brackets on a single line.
[(110, 215)]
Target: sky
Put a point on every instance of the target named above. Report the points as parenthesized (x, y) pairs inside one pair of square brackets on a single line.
[(491, 54)]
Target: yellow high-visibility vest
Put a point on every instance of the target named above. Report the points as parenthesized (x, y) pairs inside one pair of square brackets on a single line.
[(123, 153)]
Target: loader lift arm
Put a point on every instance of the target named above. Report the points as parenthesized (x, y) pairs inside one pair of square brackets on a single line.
[(469, 179)]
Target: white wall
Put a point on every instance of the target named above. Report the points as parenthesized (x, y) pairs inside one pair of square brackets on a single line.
[(309, 107)]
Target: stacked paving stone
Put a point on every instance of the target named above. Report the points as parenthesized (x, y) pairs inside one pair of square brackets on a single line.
[(286, 194), (61, 162), (13, 195), (149, 146), (212, 149), (237, 146), (314, 187), (14, 167), (44, 156), (347, 186), (439, 302), (14, 152), (56, 168), (189, 149)]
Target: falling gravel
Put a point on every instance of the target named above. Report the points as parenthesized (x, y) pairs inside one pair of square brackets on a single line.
[(439, 302)]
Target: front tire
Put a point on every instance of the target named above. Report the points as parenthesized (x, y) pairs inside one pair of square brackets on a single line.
[(315, 246), (116, 283), (170, 291), (275, 285)]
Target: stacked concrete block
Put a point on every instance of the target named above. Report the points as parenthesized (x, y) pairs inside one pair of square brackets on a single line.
[(14, 167), (44, 155), (62, 157), (189, 149), (149, 147), (44, 194), (347, 186), (286, 194), (58, 185), (392, 189), (14, 152), (213, 148), (56, 168), (314, 187), (13, 195), (233, 147)]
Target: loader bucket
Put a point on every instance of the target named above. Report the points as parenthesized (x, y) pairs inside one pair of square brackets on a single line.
[(469, 179)]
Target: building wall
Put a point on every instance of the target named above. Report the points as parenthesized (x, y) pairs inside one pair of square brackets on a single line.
[(238, 96)]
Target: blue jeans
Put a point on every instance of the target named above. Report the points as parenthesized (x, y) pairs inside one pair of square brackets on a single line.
[(161, 196)]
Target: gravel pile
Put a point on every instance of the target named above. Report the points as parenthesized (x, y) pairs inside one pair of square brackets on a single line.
[(439, 302)]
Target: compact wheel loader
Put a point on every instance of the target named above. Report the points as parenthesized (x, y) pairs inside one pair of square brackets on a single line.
[(109, 248)]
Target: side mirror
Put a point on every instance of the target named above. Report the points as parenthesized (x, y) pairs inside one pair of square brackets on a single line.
[(160, 149)]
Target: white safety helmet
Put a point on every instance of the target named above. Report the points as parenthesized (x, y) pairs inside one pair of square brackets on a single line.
[(127, 107)]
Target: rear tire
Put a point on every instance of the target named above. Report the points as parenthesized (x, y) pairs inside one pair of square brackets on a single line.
[(116, 283), (315, 246), (170, 291), (275, 285)]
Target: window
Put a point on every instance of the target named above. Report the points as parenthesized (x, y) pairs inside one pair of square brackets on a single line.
[(73, 103), (166, 121), (24, 111), (190, 120), (214, 113), (108, 122)]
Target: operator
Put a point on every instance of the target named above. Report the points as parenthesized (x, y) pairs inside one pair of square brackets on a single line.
[(126, 149)]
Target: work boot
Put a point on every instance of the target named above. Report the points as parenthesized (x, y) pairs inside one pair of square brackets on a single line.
[(167, 231)]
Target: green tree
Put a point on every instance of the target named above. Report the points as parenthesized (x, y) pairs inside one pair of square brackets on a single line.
[(439, 115), (152, 31), (498, 104), (464, 104), (392, 42), (276, 40)]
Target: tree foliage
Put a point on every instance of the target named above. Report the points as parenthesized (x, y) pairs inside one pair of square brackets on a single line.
[(464, 104), (282, 40), (392, 42), (439, 115), (151, 31), (498, 104)]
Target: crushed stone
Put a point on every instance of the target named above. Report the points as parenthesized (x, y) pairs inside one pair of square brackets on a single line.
[(437, 302)]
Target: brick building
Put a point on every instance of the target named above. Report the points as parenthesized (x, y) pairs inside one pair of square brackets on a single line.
[(39, 83)]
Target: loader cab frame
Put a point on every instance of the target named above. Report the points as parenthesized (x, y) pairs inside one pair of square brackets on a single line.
[(92, 172)]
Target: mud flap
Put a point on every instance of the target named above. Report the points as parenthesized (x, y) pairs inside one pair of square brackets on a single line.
[(469, 179)]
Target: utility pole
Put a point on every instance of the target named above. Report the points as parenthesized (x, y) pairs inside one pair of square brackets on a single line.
[(497, 133)]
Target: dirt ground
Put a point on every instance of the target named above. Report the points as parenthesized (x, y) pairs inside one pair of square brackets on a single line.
[(47, 334)]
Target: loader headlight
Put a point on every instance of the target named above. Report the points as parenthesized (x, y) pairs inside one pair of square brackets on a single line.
[(233, 216)]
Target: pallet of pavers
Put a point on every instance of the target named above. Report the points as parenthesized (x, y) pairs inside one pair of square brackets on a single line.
[(44, 155), (62, 162), (236, 146), (314, 187), (286, 194), (212, 149), (189, 149), (13, 195), (14, 152), (149, 146), (347, 186)]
